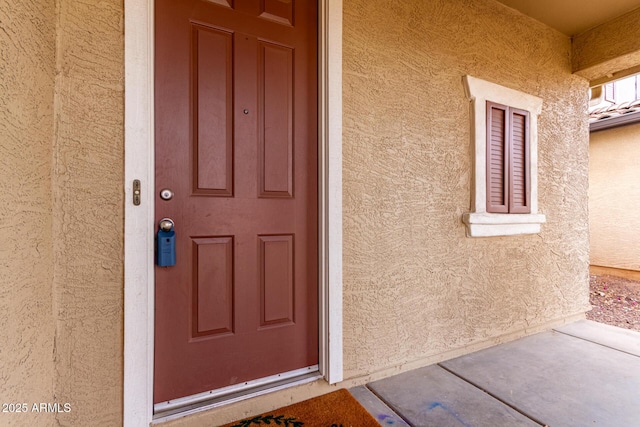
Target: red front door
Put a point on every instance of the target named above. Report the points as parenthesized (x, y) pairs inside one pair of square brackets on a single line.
[(236, 143)]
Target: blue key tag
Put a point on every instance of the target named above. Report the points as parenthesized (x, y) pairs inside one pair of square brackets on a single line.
[(166, 253)]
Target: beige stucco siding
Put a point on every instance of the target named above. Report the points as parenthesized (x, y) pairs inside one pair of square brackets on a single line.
[(27, 54), (88, 211), (414, 285), (614, 197), (61, 176), (415, 288)]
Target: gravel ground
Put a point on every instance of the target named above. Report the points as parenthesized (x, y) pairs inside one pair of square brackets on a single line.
[(615, 301)]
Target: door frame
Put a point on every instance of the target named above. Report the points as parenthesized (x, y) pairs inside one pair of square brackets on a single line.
[(139, 224)]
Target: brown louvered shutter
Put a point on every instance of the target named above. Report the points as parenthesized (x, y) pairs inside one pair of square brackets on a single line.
[(497, 158), (519, 187)]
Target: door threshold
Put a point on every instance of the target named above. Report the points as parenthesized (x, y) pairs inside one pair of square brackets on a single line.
[(188, 405)]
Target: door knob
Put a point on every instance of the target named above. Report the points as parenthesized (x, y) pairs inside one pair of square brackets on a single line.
[(166, 224)]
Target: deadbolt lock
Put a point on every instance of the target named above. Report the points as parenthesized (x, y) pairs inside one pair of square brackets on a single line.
[(166, 194)]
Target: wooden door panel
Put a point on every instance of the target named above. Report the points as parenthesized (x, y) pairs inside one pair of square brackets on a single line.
[(213, 307), (276, 280), (212, 95), (236, 140), (275, 68), (280, 11), (224, 3)]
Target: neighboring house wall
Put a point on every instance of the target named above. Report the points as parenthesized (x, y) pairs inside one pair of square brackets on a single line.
[(414, 284), (27, 71), (614, 197)]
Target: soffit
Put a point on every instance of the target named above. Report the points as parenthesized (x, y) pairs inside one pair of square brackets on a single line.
[(573, 17)]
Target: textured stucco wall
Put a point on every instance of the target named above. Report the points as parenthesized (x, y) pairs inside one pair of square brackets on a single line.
[(614, 197), (27, 70), (608, 48), (88, 211), (414, 285), (61, 176)]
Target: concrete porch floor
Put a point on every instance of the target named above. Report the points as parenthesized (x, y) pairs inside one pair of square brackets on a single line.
[(581, 374)]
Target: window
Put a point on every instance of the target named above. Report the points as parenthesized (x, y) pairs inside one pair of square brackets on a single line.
[(504, 140), (623, 90), (610, 93), (507, 159)]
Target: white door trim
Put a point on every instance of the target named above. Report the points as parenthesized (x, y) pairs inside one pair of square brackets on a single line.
[(330, 189), (139, 226)]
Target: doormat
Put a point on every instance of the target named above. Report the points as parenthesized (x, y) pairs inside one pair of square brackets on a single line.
[(337, 409)]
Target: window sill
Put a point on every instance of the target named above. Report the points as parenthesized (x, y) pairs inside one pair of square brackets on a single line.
[(490, 225)]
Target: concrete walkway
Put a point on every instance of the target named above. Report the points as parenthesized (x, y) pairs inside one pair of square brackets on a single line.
[(582, 374)]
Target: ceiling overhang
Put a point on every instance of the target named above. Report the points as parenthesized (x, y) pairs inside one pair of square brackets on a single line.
[(573, 17)]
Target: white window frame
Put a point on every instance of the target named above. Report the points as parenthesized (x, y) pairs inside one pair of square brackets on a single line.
[(479, 222), (140, 229)]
